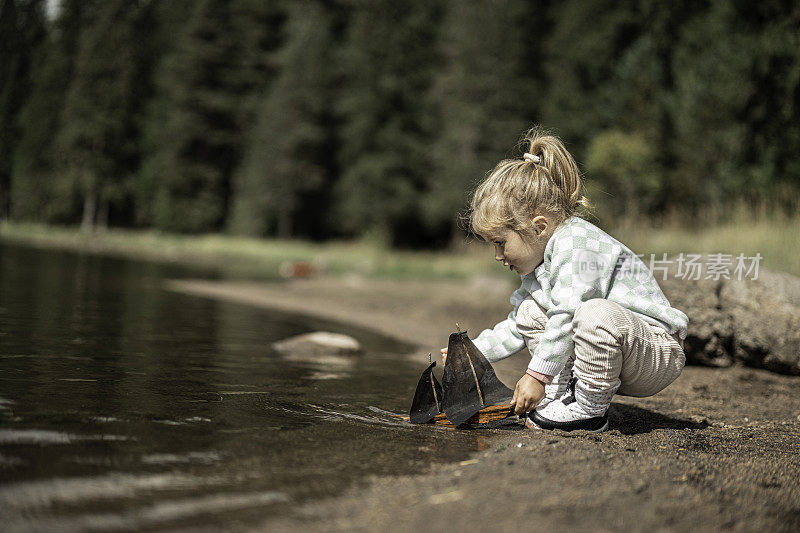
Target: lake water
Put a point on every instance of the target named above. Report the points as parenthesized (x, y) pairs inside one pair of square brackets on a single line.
[(124, 406)]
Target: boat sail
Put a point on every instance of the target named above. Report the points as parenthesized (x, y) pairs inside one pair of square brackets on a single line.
[(469, 387), (427, 398)]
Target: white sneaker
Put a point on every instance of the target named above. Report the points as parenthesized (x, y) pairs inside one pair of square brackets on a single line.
[(577, 409)]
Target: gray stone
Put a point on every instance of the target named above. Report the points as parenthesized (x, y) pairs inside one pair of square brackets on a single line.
[(319, 343), (753, 322)]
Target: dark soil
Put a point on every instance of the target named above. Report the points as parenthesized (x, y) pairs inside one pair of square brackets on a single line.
[(718, 450)]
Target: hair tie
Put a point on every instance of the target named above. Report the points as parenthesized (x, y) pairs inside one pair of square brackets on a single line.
[(530, 157)]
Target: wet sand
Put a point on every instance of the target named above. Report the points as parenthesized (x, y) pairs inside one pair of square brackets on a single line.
[(717, 450)]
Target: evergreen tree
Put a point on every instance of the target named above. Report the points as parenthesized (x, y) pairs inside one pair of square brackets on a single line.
[(97, 140), (772, 112), (36, 192), (610, 86), (377, 117), (723, 104), (586, 40), (487, 92), (22, 27), (204, 101), (389, 63), (287, 153)]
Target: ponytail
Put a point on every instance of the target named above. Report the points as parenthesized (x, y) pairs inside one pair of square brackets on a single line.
[(545, 181)]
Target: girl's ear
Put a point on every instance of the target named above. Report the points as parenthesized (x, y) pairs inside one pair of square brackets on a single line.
[(540, 225)]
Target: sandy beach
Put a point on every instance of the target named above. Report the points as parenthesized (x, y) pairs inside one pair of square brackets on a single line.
[(717, 450)]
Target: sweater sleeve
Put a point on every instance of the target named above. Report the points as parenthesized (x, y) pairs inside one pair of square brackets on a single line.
[(576, 275), (501, 341)]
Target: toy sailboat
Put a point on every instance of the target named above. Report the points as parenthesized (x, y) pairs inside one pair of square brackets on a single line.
[(470, 390)]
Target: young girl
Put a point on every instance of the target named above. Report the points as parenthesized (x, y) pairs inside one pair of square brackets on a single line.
[(589, 311)]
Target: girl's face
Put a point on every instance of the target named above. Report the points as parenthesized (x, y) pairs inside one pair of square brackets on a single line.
[(520, 253)]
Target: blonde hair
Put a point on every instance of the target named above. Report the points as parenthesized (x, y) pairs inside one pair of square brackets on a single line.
[(517, 190)]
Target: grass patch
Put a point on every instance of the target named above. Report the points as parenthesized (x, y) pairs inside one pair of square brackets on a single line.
[(245, 258), (775, 237)]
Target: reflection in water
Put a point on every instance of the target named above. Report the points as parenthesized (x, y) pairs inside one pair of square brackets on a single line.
[(126, 406)]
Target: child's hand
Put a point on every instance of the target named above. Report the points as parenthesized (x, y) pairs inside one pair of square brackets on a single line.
[(527, 394), (444, 355)]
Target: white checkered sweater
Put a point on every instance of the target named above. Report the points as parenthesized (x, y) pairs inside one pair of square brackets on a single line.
[(581, 262)]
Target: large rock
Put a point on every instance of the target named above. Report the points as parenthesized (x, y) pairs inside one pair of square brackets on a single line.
[(754, 322), (319, 343)]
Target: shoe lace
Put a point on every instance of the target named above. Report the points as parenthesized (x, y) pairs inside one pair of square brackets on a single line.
[(570, 397)]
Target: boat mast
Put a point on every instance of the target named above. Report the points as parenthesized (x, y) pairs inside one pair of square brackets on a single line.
[(433, 387)]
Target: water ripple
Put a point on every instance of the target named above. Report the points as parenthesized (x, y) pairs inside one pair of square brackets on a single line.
[(149, 516), (45, 493), (43, 436)]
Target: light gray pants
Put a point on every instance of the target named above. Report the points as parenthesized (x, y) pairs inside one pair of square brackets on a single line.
[(611, 343)]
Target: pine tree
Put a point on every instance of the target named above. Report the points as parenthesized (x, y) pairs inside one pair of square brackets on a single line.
[(286, 152), (585, 42), (713, 87), (36, 192), (204, 102), (22, 27), (96, 140), (486, 91), (611, 82), (772, 112), (386, 115)]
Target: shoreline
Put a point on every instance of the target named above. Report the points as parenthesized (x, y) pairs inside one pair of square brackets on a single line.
[(418, 313)]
